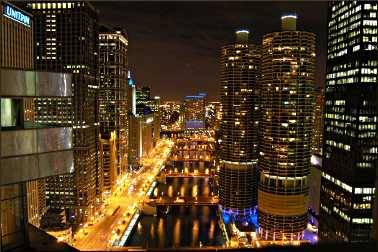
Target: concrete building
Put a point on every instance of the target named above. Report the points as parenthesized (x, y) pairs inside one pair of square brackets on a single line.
[(288, 82), (239, 70), (142, 130)]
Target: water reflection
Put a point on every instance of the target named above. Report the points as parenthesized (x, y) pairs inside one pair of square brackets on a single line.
[(161, 235), (192, 187), (182, 227), (170, 191), (195, 233), (176, 231)]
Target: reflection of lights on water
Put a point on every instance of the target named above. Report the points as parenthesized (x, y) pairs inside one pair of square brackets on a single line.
[(161, 232), (176, 232), (170, 191), (212, 229), (182, 191), (206, 190), (206, 212), (195, 232), (152, 231), (194, 191)]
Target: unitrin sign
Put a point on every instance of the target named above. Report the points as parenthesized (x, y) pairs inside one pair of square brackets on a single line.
[(16, 15)]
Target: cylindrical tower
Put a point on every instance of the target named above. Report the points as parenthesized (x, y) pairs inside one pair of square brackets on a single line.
[(239, 65), (288, 76)]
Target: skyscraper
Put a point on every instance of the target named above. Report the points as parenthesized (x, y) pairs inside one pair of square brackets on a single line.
[(66, 40), (349, 145), (287, 80), (29, 150), (113, 104), (239, 68), (143, 96)]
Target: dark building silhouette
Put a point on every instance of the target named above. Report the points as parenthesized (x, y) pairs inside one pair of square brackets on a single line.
[(349, 145), (66, 40)]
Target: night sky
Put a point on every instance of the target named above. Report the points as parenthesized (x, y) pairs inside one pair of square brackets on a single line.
[(174, 46)]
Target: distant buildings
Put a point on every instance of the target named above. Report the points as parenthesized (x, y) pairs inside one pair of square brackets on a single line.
[(213, 115), (66, 40), (287, 81), (143, 97), (30, 151), (350, 125), (194, 111), (238, 174), (144, 127), (113, 116), (170, 115), (145, 105)]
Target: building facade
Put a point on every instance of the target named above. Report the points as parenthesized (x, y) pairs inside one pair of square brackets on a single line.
[(349, 145), (213, 115), (143, 97), (317, 136), (29, 151), (17, 47), (36, 200), (169, 115), (288, 82), (113, 115), (239, 70), (194, 111), (66, 40), (17, 52)]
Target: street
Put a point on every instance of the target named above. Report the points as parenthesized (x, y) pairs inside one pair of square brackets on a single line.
[(122, 203)]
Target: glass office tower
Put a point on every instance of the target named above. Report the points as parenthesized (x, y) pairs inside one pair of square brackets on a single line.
[(113, 68), (349, 145), (287, 81), (239, 71), (66, 40)]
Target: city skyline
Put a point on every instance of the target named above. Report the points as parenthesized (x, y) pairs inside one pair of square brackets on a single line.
[(207, 125)]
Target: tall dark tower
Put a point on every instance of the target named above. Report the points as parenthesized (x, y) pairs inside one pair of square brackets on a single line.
[(66, 40), (350, 121), (287, 81), (239, 65)]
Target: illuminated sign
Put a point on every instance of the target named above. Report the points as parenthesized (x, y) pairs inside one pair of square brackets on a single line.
[(16, 15)]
